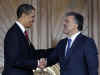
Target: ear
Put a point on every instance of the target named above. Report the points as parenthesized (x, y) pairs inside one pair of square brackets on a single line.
[(23, 15), (76, 25)]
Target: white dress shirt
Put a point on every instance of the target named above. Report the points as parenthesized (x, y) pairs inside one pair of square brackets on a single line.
[(20, 26)]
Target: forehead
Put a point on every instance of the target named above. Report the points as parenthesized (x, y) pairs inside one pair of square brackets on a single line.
[(69, 17), (32, 12)]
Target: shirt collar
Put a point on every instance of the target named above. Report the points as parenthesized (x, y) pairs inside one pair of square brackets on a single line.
[(21, 26), (73, 37)]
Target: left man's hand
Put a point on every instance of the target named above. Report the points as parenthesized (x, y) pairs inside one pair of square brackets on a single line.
[(42, 63)]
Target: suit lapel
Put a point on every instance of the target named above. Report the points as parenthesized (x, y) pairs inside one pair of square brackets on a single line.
[(21, 34), (75, 46), (64, 46)]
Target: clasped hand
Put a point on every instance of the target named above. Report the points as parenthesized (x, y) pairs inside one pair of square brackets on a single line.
[(42, 63)]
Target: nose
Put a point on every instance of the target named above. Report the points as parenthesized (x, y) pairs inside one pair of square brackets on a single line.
[(64, 25), (32, 21), (64, 22)]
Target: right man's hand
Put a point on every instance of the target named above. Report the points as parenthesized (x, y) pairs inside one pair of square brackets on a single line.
[(42, 63)]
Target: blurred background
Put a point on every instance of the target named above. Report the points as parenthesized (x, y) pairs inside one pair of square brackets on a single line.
[(48, 26)]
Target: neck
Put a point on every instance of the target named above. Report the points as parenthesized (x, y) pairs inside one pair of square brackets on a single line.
[(21, 21), (72, 33)]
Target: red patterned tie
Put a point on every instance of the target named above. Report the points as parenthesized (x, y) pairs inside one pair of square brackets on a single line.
[(26, 35)]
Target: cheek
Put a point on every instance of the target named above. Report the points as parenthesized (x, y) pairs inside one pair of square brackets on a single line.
[(30, 20), (70, 26)]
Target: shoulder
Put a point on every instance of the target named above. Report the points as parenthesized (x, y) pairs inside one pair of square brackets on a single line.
[(13, 28), (12, 31), (62, 41), (85, 38), (88, 40)]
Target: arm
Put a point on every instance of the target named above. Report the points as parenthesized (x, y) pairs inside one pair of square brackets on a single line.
[(91, 57), (53, 57)]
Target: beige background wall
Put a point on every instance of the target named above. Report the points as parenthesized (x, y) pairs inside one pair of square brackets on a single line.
[(47, 29)]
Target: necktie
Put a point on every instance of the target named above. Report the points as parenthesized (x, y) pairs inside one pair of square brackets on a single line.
[(68, 47), (26, 35)]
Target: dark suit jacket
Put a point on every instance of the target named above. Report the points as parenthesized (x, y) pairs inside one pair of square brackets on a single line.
[(19, 55), (43, 53), (81, 60)]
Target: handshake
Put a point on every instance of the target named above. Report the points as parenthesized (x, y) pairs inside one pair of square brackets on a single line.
[(42, 63)]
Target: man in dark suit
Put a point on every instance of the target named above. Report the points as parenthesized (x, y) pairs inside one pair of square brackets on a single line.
[(77, 54), (19, 54)]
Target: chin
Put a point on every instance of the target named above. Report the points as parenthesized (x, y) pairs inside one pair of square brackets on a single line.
[(28, 26), (65, 32)]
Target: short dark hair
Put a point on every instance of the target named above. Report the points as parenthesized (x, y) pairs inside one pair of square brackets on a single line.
[(24, 8), (78, 18)]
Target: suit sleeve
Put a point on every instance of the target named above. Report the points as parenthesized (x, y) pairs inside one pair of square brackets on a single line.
[(91, 57), (53, 58), (12, 53)]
